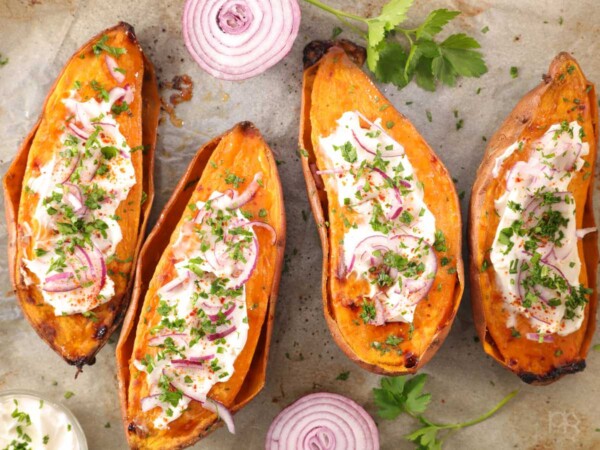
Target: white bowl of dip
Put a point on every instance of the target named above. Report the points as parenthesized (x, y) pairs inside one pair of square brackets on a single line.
[(27, 417)]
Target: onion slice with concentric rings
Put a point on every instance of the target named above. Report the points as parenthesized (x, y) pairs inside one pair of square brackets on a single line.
[(323, 421), (239, 39)]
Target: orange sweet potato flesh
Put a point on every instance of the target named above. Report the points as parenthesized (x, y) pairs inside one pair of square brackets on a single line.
[(242, 151), (550, 103), (77, 338), (333, 85)]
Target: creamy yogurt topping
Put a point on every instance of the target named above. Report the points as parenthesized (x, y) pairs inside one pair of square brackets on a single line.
[(204, 320), (534, 253), (79, 190), (30, 424), (389, 242)]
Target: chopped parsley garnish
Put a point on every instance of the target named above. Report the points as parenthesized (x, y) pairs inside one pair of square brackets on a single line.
[(100, 90), (348, 152), (440, 242), (101, 46), (118, 108), (368, 312), (231, 178)]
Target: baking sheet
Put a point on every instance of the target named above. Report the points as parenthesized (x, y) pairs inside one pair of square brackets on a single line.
[(38, 36)]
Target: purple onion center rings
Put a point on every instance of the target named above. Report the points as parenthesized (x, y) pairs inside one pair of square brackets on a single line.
[(320, 438), (234, 17)]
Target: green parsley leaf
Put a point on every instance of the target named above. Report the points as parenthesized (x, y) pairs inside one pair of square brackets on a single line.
[(419, 57), (400, 395), (392, 14), (435, 21), (343, 376)]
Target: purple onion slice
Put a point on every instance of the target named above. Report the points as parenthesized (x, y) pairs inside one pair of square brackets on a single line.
[(238, 39), (323, 421)]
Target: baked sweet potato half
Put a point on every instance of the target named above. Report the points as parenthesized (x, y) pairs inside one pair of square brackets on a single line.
[(79, 192), (534, 246), (195, 341), (387, 213)]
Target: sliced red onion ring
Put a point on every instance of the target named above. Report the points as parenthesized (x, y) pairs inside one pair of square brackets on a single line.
[(75, 198), (191, 392), (210, 308), (532, 212), (92, 266), (201, 358), (566, 154), (523, 174), (546, 338), (124, 94), (248, 267), (112, 66), (323, 421), (99, 267), (417, 288), (222, 413), (78, 131), (384, 154), (330, 171), (392, 204), (180, 339), (365, 248), (64, 168), (61, 282), (89, 166), (187, 363), (224, 200), (388, 154), (226, 313), (581, 233), (176, 375), (248, 193), (238, 39), (106, 126), (221, 334), (541, 311), (379, 313), (174, 283), (85, 264), (151, 402)]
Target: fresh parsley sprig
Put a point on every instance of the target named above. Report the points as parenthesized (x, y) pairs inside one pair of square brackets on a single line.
[(402, 395), (425, 60)]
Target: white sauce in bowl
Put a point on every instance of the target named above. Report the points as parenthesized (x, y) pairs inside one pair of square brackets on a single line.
[(38, 423)]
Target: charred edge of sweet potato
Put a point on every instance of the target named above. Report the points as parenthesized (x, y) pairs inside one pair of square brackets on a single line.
[(129, 32), (553, 375), (142, 280), (314, 51), (16, 172)]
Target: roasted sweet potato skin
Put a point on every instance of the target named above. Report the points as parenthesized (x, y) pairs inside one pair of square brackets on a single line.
[(333, 84), (243, 151), (549, 103), (75, 338)]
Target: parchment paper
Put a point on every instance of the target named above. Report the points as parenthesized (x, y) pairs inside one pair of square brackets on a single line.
[(39, 36)]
